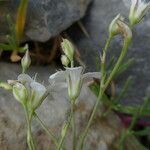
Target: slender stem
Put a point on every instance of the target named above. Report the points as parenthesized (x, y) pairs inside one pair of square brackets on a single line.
[(90, 120), (50, 135), (121, 58), (103, 59), (73, 126), (65, 133), (29, 130), (102, 90), (72, 64), (123, 137)]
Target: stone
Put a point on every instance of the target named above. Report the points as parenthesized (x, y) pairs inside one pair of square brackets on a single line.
[(45, 18), (96, 22), (53, 112)]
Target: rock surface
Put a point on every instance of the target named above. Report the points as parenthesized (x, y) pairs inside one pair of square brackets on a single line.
[(53, 112), (46, 18), (96, 23)]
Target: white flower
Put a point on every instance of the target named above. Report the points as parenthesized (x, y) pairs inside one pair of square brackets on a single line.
[(71, 79), (74, 80), (138, 10), (57, 81), (36, 91), (20, 92)]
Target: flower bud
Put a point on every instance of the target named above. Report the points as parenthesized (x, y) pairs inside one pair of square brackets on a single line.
[(65, 61), (113, 27), (5, 86), (64, 129), (118, 26), (125, 31), (138, 10), (68, 49), (20, 92), (26, 61)]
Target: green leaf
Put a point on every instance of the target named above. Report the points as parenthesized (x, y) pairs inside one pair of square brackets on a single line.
[(21, 19), (135, 144), (5, 47), (95, 89), (125, 66), (144, 132), (124, 90), (131, 110)]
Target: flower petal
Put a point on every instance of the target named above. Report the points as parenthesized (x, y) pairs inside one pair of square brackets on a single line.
[(25, 78), (38, 88), (90, 76), (59, 76), (57, 87), (75, 73), (74, 81)]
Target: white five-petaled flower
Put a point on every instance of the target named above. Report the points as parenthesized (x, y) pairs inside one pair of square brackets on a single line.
[(34, 90), (71, 79), (138, 10)]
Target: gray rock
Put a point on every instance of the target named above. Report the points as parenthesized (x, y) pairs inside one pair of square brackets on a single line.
[(53, 112), (46, 18), (96, 23)]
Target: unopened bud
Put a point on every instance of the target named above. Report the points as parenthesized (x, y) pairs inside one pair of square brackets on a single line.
[(5, 86), (65, 61), (118, 26), (64, 129), (68, 49), (125, 31), (20, 93), (26, 61), (138, 10), (113, 27)]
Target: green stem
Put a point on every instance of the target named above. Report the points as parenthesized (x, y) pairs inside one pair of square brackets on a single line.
[(121, 58), (50, 135), (65, 133), (72, 64), (122, 139), (29, 130), (103, 88), (73, 126), (90, 120), (103, 59)]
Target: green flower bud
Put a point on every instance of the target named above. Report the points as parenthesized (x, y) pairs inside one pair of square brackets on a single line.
[(68, 49), (20, 92), (26, 61), (113, 27), (118, 26), (125, 31), (64, 129), (65, 61), (5, 86)]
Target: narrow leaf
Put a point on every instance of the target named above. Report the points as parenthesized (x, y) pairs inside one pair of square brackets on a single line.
[(21, 19)]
